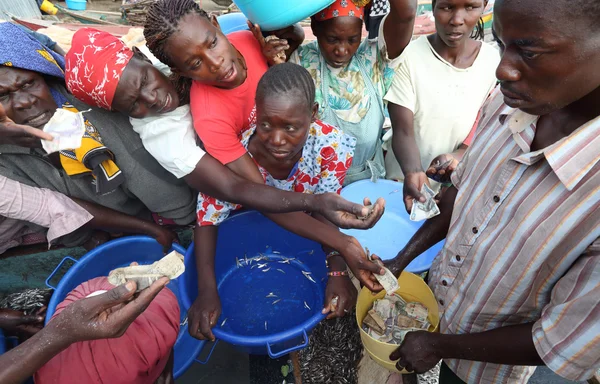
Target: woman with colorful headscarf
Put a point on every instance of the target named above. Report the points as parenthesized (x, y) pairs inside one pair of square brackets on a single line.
[(352, 75), (111, 168)]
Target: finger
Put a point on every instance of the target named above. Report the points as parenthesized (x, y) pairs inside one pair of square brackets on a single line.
[(413, 191), (31, 319), (194, 327), (396, 354), (339, 311), (126, 315), (28, 330), (205, 326), (372, 267), (37, 133), (366, 202), (113, 297)]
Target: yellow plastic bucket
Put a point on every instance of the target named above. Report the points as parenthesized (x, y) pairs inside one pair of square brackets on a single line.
[(412, 288), (48, 7)]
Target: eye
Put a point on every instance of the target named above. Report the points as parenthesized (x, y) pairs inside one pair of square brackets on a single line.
[(331, 40), (290, 128), (470, 8), (214, 43), (27, 85), (529, 55), (196, 64), (4, 97)]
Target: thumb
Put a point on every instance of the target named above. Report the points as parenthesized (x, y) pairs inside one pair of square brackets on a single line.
[(327, 305), (115, 296), (31, 319)]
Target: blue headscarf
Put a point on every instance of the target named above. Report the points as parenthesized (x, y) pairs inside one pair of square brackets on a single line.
[(19, 49)]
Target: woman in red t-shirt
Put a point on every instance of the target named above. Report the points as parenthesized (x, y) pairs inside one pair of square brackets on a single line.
[(225, 73)]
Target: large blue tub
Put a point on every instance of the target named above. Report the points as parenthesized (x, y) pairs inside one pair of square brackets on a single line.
[(253, 323), (394, 229), (119, 253), (271, 15)]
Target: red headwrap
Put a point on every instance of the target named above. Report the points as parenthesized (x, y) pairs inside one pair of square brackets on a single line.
[(137, 357), (341, 8), (93, 66)]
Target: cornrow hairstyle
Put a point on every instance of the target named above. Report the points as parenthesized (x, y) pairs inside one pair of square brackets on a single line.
[(285, 79), (478, 33), (162, 21)]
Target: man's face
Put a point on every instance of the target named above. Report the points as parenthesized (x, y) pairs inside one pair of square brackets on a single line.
[(548, 61), (26, 97)]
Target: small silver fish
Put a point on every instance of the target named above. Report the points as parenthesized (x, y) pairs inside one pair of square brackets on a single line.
[(281, 270), (277, 252), (286, 261), (307, 275), (223, 323), (265, 325), (261, 266), (185, 321), (276, 301), (312, 251), (246, 258), (237, 262), (266, 269), (306, 305), (252, 267), (271, 294)]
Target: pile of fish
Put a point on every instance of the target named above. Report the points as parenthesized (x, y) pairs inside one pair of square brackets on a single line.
[(391, 318), (262, 262)]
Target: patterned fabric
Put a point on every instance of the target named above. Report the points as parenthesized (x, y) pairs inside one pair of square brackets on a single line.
[(341, 8), (379, 8), (94, 65), (524, 245), (20, 50), (21, 204), (326, 157), (92, 157), (348, 94)]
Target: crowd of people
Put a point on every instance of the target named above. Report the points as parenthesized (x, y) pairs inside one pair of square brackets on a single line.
[(508, 134)]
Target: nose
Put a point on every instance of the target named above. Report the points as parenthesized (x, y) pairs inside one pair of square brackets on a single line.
[(341, 50), (278, 138), (214, 63), (507, 70), (149, 96), (458, 18), (23, 100)]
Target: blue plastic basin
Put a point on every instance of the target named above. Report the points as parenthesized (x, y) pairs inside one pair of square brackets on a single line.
[(232, 22), (394, 229), (272, 15), (76, 5), (2, 343), (119, 253), (243, 290)]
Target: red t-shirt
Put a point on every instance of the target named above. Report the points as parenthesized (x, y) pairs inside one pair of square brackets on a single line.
[(220, 115)]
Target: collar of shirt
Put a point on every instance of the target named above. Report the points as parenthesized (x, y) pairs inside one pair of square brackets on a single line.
[(571, 158)]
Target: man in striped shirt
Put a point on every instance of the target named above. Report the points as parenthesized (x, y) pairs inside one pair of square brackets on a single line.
[(518, 280)]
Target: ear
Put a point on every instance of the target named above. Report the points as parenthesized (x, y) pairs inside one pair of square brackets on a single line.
[(140, 55), (314, 26), (315, 110), (215, 22)]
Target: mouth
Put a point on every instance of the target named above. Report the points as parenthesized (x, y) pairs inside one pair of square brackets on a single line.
[(513, 100), (39, 120), (455, 36), (229, 75), (166, 106), (338, 64), (279, 154)]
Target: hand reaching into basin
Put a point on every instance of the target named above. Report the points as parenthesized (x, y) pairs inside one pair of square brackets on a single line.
[(203, 314)]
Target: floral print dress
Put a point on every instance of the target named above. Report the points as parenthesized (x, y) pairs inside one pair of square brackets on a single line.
[(326, 157)]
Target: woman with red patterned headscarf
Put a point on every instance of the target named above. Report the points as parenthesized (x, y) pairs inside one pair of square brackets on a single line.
[(352, 75)]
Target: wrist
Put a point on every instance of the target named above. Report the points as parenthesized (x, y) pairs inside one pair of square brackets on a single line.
[(336, 263), (206, 281)]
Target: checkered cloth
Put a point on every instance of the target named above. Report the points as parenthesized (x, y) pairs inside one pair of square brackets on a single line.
[(380, 8)]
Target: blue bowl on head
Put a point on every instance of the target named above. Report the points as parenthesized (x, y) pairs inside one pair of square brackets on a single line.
[(273, 15), (120, 253), (232, 22), (394, 229), (252, 318)]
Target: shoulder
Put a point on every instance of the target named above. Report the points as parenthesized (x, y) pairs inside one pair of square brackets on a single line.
[(245, 42), (325, 135)]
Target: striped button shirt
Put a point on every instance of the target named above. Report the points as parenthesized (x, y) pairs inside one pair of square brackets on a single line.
[(523, 245)]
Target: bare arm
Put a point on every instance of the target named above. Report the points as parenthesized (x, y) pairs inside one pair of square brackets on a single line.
[(214, 179), (399, 26), (431, 232)]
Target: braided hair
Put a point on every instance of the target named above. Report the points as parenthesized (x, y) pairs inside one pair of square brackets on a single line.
[(285, 79), (162, 21), (478, 33)]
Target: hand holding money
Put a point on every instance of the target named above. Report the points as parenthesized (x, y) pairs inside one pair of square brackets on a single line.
[(424, 210), (388, 281)]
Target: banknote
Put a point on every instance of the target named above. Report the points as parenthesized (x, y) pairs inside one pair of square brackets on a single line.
[(428, 209), (170, 266)]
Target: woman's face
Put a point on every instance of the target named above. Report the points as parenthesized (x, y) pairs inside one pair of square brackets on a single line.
[(456, 19), (26, 97), (200, 51), (144, 91), (282, 124), (338, 38)]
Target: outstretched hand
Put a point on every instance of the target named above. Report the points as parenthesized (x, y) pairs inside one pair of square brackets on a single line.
[(18, 134), (362, 268), (107, 315), (348, 215), (18, 322), (412, 188), (273, 48), (441, 168)]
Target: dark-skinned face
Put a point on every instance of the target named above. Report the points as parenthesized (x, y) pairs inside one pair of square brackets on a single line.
[(548, 60), (26, 97), (282, 125), (144, 91), (200, 51), (338, 38), (456, 19)]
